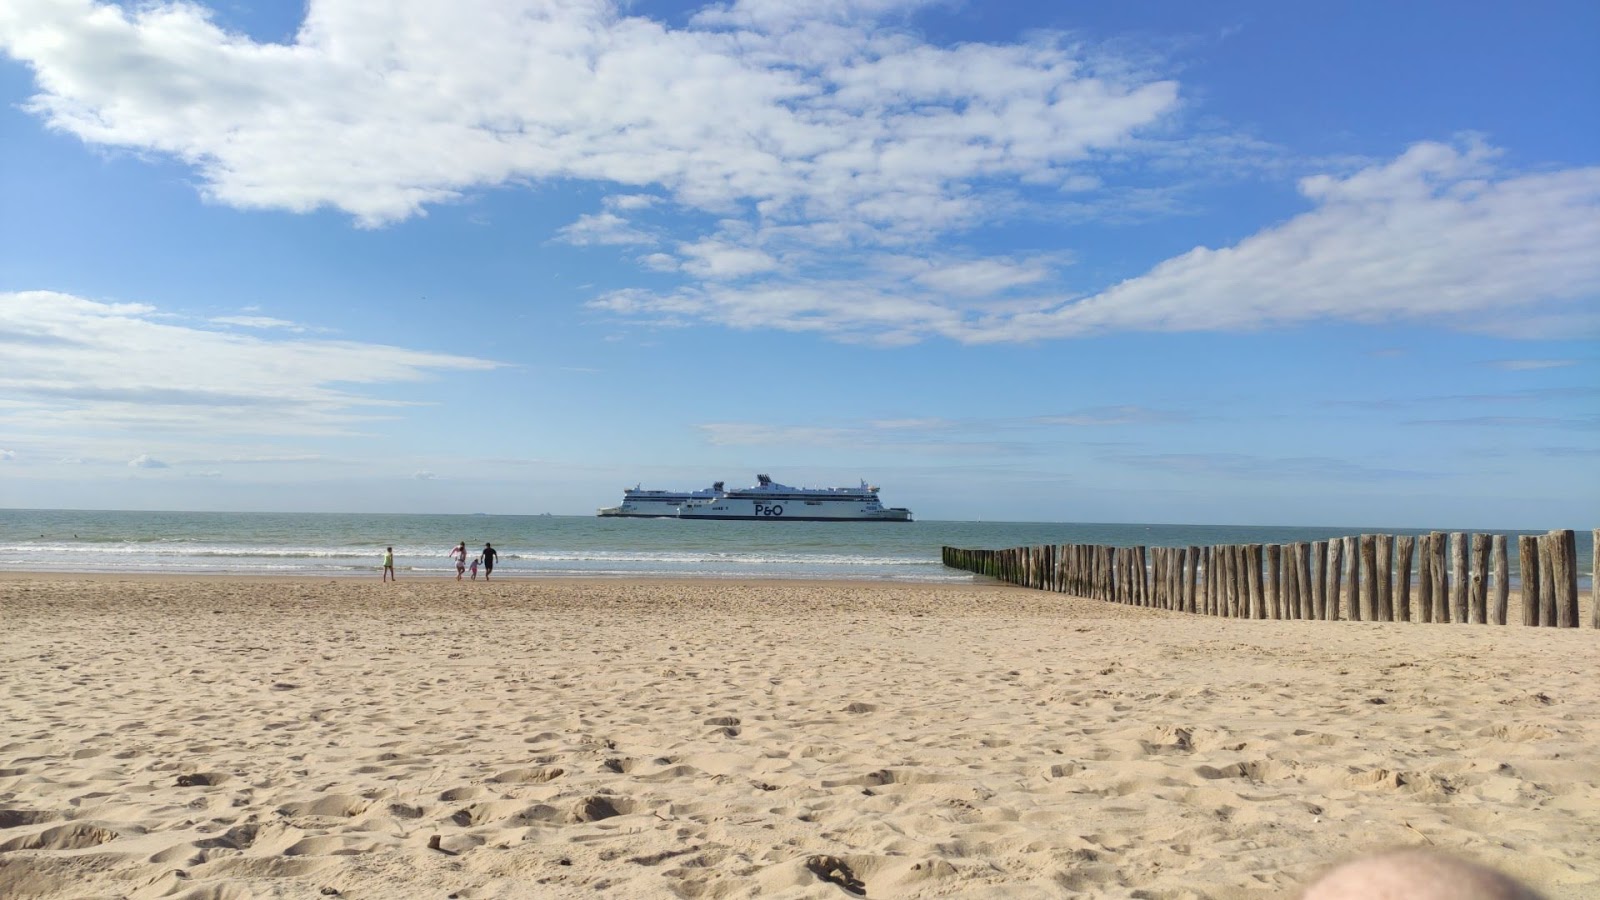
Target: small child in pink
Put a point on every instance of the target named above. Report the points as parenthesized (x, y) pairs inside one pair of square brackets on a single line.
[(475, 568)]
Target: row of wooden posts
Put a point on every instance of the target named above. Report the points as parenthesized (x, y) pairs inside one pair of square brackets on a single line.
[(1461, 577)]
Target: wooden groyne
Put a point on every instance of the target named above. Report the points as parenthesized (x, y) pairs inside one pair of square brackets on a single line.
[(1459, 577)]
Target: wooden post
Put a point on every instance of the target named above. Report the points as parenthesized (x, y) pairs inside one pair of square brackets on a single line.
[(1291, 585), (1369, 577), (1564, 547), (1384, 597), (1335, 569), (1405, 548), (1500, 594), (1302, 574), (1594, 580), (1319, 579), (1424, 579), (1191, 567), (1258, 597), (1229, 571), (1458, 578), (1352, 572), (1275, 581), (1241, 581), (1441, 584), (1547, 581), (1479, 597), (1528, 567)]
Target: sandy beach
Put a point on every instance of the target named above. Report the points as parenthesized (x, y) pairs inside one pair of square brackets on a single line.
[(232, 737)]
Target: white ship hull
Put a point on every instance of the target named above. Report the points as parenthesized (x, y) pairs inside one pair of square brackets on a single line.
[(766, 502)]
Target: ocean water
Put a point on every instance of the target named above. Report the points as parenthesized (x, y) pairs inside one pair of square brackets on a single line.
[(325, 544)]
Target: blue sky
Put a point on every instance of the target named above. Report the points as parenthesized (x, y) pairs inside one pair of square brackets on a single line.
[(1257, 263)]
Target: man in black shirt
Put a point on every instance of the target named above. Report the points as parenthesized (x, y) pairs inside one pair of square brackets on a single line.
[(489, 556)]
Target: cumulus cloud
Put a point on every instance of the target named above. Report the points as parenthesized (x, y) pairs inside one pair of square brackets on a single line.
[(6, 455), (146, 461), (74, 362), (829, 114), (603, 228), (828, 145)]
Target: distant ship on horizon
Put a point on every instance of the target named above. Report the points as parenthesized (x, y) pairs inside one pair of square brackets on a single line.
[(767, 501)]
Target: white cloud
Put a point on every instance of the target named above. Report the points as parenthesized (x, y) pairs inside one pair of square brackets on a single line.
[(1436, 235), (6, 455), (78, 363), (1433, 235), (720, 260), (828, 115), (603, 228), (982, 277), (146, 461), (1529, 365), (630, 202), (263, 322)]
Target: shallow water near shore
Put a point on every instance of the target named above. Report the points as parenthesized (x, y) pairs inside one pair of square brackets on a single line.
[(332, 544)]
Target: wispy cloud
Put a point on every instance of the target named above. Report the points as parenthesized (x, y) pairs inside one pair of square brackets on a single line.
[(930, 433), (73, 363), (263, 322), (1530, 365), (1436, 235), (1249, 466), (146, 461)]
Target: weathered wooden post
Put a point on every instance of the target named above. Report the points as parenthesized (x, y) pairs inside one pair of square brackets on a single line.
[(1564, 547), (1319, 579), (1500, 595), (1547, 581), (1258, 597), (1302, 576), (1335, 569), (1369, 577), (1191, 565), (1275, 581), (1228, 573), (1384, 597), (1424, 583), (1528, 568), (1405, 547), (1352, 555), (1441, 584), (1594, 580), (1458, 577), (1480, 579), (1241, 579), (1291, 584)]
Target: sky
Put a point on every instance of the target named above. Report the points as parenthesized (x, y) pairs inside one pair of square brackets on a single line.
[(1151, 261)]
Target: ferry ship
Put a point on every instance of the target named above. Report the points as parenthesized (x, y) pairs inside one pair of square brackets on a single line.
[(767, 501)]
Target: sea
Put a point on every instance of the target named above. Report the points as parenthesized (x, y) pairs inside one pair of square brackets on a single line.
[(545, 546)]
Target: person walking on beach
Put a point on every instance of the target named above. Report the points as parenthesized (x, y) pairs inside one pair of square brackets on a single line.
[(474, 568), (388, 564), (489, 556), (459, 554)]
